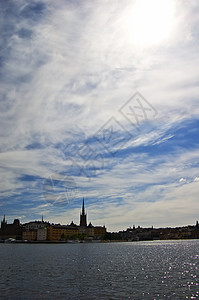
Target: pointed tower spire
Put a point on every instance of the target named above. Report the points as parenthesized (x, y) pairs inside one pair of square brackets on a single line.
[(83, 217), (83, 209), (3, 223), (4, 220)]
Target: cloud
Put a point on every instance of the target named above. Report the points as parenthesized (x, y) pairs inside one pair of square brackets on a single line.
[(67, 70), (182, 180)]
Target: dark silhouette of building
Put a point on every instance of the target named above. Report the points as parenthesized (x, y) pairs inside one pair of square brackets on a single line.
[(83, 216), (11, 230), (95, 232)]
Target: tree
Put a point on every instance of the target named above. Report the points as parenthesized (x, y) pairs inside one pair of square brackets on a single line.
[(63, 236)]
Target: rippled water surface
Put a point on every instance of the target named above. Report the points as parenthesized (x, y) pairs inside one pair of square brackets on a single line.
[(137, 270)]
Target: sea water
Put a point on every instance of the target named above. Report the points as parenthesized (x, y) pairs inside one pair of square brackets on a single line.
[(131, 270)]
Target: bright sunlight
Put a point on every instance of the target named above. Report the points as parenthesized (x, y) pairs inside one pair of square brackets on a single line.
[(150, 21)]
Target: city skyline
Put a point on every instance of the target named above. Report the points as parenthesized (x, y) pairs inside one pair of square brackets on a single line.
[(49, 231), (97, 105)]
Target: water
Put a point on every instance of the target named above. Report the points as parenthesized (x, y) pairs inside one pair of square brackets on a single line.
[(139, 270)]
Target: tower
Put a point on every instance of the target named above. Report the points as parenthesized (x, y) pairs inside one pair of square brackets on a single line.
[(83, 221), (4, 222)]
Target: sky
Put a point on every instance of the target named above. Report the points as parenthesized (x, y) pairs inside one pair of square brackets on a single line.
[(99, 99)]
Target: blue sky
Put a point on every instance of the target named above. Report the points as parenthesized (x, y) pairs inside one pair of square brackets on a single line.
[(100, 100)]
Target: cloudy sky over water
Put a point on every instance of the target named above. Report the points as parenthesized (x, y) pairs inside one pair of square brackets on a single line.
[(99, 99)]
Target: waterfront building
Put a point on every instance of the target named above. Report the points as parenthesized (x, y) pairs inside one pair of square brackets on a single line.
[(34, 225), (99, 231), (90, 230), (42, 234), (35, 230), (83, 229), (96, 232), (42, 231), (61, 232), (10, 230), (29, 235)]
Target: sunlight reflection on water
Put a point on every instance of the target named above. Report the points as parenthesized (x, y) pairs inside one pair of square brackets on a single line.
[(139, 270)]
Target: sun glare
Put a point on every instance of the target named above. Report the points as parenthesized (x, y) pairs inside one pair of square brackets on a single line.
[(150, 21)]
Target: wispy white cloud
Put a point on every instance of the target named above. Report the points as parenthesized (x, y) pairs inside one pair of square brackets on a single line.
[(67, 69)]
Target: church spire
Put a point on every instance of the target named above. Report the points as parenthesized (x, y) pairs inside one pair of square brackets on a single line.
[(83, 217), (4, 219), (3, 222), (83, 209)]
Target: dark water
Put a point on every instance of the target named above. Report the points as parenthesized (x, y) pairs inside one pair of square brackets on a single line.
[(139, 270)]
